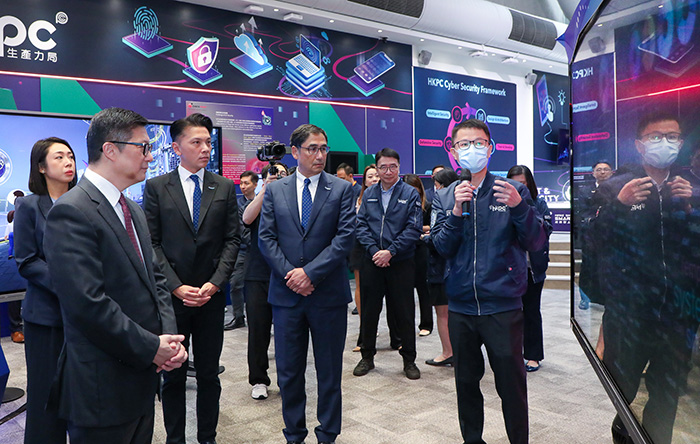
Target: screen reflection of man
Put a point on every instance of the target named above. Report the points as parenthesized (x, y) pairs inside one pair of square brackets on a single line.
[(643, 221)]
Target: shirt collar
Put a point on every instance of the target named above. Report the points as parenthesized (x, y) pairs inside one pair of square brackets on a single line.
[(107, 188), (314, 179), (184, 174), (390, 190)]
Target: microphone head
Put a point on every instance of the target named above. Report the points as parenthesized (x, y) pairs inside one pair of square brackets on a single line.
[(465, 174)]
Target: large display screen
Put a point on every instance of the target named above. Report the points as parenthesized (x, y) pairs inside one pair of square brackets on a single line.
[(19, 134), (636, 159)]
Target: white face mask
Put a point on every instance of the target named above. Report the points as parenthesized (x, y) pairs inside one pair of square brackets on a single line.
[(473, 159), (662, 154)]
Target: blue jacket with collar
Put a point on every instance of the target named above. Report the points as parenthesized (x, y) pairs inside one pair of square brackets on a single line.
[(397, 229), (486, 262)]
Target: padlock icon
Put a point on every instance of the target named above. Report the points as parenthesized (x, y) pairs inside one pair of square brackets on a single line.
[(204, 57)]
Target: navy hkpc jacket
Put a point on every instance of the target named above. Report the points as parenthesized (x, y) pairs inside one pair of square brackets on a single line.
[(486, 253)]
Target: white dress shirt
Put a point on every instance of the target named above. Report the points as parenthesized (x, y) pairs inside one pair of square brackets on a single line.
[(188, 184), (313, 186), (112, 194)]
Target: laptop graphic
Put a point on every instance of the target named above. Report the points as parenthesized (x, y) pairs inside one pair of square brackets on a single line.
[(305, 71), (308, 61)]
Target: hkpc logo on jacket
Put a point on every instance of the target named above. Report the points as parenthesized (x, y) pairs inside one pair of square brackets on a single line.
[(31, 43), (201, 57)]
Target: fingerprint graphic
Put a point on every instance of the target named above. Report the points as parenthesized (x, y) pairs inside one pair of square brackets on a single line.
[(145, 23), (61, 18)]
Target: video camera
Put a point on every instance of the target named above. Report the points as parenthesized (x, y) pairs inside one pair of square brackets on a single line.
[(274, 150)]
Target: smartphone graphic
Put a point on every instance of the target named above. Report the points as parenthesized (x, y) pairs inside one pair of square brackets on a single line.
[(667, 48), (377, 65)]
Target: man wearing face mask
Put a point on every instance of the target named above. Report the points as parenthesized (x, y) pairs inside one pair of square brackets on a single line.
[(643, 222), (485, 280)]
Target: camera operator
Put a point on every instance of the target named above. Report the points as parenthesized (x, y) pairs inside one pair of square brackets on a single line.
[(257, 282)]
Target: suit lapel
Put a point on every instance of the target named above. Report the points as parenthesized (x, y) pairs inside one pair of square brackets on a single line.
[(174, 188), (45, 204), (208, 191), (323, 190), (110, 216), (144, 238), (289, 189)]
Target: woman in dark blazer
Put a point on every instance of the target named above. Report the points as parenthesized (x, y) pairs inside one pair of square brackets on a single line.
[(52, 173), (538, 261)]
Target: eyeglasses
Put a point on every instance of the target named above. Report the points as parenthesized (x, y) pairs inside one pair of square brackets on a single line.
[(146, 146), (656, 137), (480, 144), (603, 170), (384, 168), (313, 149)]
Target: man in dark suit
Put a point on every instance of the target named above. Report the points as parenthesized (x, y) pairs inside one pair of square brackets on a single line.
[(193, 219), (306, 233), (115, 307)]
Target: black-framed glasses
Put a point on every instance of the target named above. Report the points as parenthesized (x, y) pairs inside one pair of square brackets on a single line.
[(313, 149), (480, 144), (656, 137), (146, 146), (384, 168)]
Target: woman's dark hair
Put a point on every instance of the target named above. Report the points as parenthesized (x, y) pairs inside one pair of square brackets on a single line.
[(37, 181), (416, 183), (10, 216), (364, 179), (529, 179), (445, 177)]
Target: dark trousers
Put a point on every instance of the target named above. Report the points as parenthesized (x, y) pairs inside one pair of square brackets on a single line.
[(502, 334), (421, 285), (14, 313), (42, 345), (259, 313), (236, 285), (533, 344), (206, 327), (630, 344), (139, 431), (396, 282), (328, 327)]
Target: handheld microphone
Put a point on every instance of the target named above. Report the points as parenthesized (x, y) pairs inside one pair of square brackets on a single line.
[(465, 175)]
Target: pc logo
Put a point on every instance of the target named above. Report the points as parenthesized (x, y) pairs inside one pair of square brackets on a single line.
[(202, 56), (145, 39)]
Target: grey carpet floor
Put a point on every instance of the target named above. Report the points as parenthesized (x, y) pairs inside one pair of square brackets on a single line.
[(566, 401)]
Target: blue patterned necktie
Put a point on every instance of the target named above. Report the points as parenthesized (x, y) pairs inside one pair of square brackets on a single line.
[(196, 201), (306, 204)]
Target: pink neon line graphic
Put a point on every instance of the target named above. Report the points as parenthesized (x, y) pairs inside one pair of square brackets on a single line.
[(593, 136)]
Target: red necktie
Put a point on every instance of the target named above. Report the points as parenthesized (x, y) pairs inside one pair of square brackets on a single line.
[(129, 225)]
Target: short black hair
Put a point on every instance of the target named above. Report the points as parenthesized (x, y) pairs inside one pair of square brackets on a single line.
[(445, 177), (602, 161), (196, 119), (436, 167), (345, 167), (251, 174), (472, 123), (111, 124), (303, 132), (655, 117), (37, 161), (529, 179), (386, 152), (266, 168)]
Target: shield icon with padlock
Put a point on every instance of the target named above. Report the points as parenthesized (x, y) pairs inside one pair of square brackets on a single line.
[(202, 54)]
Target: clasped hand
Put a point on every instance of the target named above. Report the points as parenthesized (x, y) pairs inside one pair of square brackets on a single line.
[(195, 296), (171, 354), (299, 282)]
